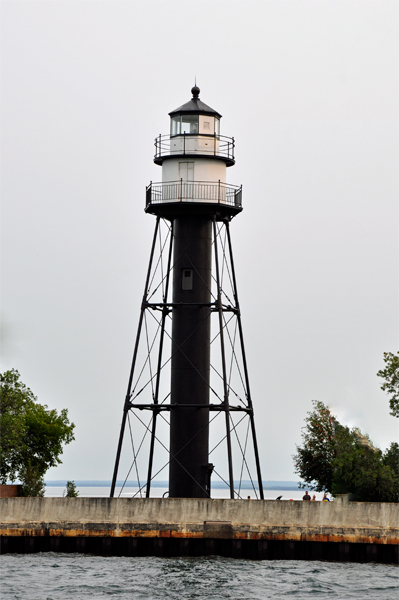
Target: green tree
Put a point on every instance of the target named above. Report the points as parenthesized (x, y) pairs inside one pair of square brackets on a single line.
[(336, 459), (391, 457), (70, 490), (313, 461), (360, 469), (31, 435), (391, 384), (14, 396), (32, 482)]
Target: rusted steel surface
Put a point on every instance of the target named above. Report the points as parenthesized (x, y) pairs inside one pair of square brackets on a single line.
[(222, 532), (200, 519), (10, 491)]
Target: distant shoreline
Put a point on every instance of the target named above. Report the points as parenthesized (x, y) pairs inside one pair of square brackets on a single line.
[(267, 485)]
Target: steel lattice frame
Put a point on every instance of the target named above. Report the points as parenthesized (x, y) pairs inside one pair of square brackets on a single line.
[(228, 365)]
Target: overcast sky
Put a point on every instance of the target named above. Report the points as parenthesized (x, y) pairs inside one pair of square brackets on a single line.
[(309, 90)]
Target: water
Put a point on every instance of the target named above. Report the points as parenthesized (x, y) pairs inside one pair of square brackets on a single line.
[(52, 576), (159, 492)]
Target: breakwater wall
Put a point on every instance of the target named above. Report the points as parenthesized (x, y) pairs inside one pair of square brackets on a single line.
[(258, 529)]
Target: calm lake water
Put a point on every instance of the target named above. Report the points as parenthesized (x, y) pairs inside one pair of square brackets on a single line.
[(52, 576), (158, 492)]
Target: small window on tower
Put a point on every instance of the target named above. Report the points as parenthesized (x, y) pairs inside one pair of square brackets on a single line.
[(207, 126), (187, 279)]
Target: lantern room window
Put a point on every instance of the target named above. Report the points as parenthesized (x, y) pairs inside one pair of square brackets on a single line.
[(189, 124), (175, 126), (184, 124), (194, 125)]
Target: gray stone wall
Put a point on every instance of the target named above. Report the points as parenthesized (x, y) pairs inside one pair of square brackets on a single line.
[(181, 517)]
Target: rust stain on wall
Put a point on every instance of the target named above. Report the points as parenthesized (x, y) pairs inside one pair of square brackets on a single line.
[(198, 533)]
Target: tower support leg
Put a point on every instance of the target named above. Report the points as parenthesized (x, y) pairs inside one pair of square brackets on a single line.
[(129, 387), (244, 359), (224, 371), (165, 312)]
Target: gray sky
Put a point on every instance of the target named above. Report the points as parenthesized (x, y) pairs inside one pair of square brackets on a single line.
[(309, 90)]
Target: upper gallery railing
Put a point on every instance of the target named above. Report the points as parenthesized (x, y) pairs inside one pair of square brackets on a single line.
[(204, 145), (194, 191)]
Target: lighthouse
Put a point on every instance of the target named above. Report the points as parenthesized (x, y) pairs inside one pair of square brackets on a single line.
[(198, 205)]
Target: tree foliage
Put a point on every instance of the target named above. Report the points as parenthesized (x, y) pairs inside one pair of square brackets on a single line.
[(391, 384), (32, 482), (361, 469), (31, 435), (314, 459), (391, 457), (14, 396), (70, 490), (338, 460)]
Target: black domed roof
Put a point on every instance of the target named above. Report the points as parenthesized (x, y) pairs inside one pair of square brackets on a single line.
[(195, 106)]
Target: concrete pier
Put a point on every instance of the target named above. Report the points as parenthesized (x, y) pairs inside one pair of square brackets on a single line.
[(259, 529)]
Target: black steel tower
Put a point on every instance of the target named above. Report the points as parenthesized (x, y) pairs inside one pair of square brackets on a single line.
[(193, 367)]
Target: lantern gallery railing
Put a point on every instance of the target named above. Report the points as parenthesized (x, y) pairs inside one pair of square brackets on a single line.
[(194, 191), (200, 145)]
